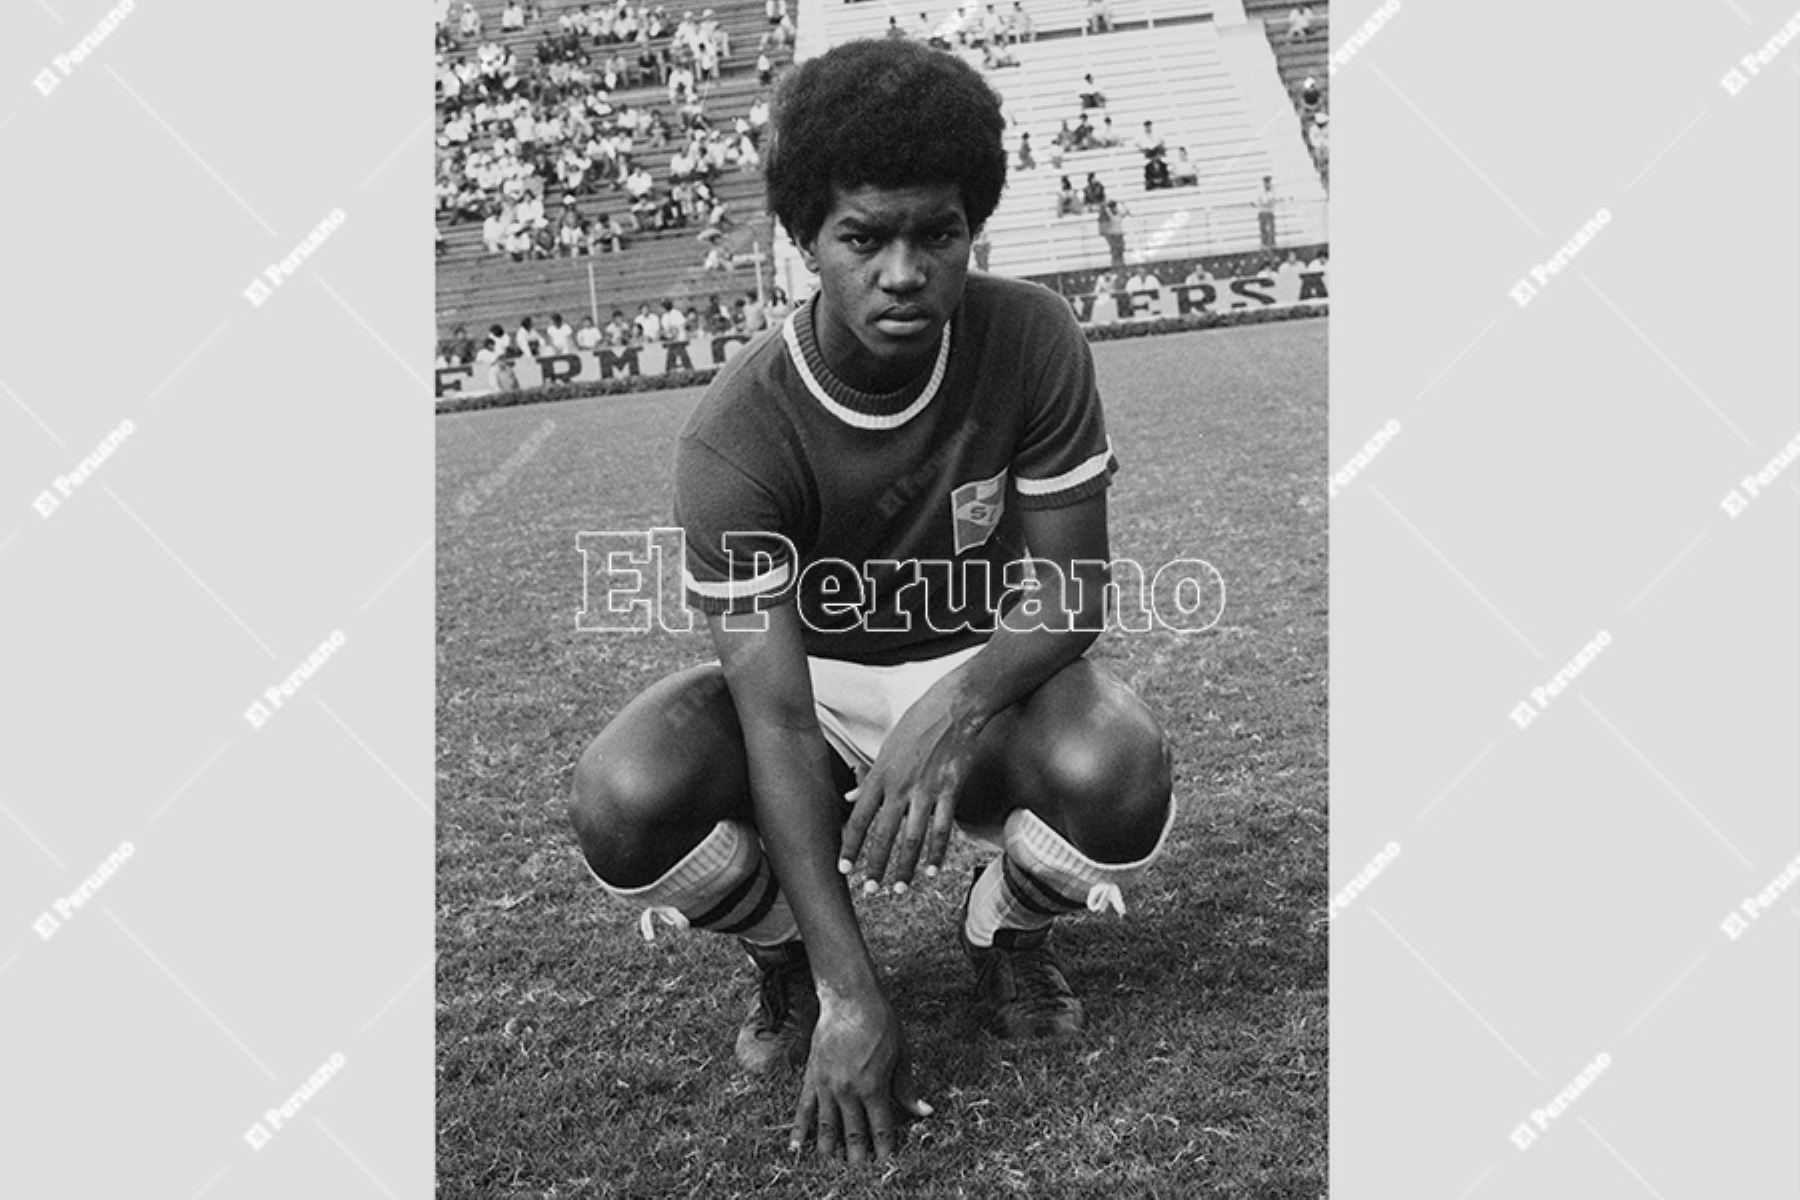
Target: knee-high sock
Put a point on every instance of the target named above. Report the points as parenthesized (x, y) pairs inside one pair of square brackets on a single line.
[(1041, 876), (725, 884)]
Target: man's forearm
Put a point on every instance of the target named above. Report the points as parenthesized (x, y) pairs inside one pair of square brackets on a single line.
[(791, 790)]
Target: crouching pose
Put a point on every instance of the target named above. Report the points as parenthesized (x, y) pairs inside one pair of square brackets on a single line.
[(894, 510)]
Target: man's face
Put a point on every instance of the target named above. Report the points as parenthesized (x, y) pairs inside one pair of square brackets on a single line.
[(891, 265)]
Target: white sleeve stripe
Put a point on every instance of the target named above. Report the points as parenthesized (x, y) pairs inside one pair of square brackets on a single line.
[(1068, 479), (737, 589)]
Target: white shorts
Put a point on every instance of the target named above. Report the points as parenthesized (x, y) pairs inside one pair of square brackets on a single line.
[(859, 705)]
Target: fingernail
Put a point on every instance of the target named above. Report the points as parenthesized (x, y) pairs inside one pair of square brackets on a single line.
[(844, 866), (925, 1110), (870, 887), (900, 889)]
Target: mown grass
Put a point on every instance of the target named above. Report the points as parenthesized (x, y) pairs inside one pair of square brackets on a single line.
[(575, 1060)]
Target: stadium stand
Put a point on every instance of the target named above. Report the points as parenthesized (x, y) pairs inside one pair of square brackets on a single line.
[(1218, 77)]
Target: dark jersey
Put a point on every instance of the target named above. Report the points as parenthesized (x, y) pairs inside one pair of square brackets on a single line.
[(889, 519)]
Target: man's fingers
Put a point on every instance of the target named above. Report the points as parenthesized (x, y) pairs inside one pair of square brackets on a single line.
[(803, 1117), (856, 1131), (856, 826), (910, 841), (881, 838), (943, 823), (828, 1131), (883, 1128)]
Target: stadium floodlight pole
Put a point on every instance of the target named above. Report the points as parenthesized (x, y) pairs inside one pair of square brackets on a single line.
[(593, 297)]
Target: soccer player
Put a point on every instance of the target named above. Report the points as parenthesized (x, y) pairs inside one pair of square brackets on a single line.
[(859, 491)]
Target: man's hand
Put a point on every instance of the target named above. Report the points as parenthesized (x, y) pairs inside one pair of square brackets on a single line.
[(910, 792), (858, 1087)]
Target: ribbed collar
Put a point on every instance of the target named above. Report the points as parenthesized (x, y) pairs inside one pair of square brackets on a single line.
[(864, 410)]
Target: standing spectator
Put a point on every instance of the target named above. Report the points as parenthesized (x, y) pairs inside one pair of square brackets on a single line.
[(506, 378), (756, 314), (1265, 203), (1112, 228), (561, 335), (649, 328), (528, 340), (618, 330), (587, 338), (1144, 282), (674, 324), (779, 308)]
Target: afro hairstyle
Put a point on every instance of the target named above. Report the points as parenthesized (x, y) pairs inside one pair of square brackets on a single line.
[(883, 113)]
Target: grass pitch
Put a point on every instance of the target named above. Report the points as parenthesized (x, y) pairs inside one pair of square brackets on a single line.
[(575, 1060)]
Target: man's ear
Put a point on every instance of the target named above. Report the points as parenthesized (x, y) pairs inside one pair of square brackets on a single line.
[(809, 256)]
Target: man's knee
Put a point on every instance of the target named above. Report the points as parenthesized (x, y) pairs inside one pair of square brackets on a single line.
[(622, 805), (1106, 775)]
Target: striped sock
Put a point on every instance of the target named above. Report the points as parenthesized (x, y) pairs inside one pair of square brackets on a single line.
[(725, 884), (1041, 876)]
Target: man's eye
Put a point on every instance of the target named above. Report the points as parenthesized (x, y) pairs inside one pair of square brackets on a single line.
[(859, 241)]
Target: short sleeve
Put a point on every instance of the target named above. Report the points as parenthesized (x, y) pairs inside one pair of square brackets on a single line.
[(735, 557), (1065, 455)]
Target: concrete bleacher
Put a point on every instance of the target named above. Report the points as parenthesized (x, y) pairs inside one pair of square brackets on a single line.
[(840, 22), (1306, 56), (1207, 90), (475, 288)]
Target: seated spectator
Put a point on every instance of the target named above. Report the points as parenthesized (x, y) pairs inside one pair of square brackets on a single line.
[(1099, 16), (758, 118), (1198, 275), (1311, 98), (469, 26), (1082, 136), (1068, 200), (1089, 93), (1150, 143), (695, 327), (1156, 174), (506, 378), (719, 258), (493, 231), (1104, 137), (995, 55), (572, 234), (604, 237), (1183, 173), (893, 28), (1299, 23), (1018, 24), (765, 66), (1093, 196), (1026, 161), (513, 15)]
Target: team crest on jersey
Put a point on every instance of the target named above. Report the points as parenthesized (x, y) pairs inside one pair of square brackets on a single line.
[(975, 510)]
